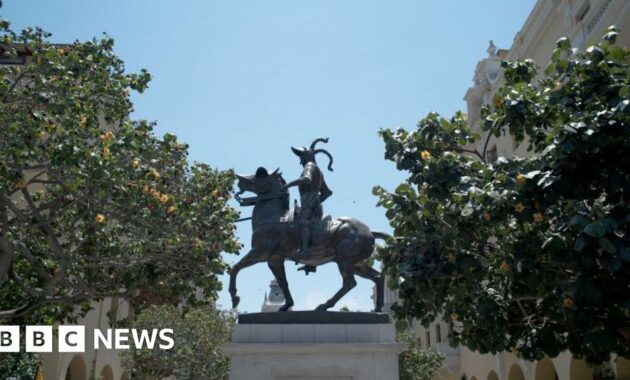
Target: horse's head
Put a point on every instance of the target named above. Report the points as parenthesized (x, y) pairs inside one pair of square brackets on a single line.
[(265, 185), (262, 182)]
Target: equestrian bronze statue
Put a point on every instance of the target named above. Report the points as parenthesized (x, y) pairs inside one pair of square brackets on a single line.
[(304, 234)]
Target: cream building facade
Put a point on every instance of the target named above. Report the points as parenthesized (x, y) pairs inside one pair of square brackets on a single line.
[(584, 22), (99, 364)]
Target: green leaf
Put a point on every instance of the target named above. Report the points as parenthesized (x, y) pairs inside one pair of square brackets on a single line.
[(595, 229), (579, 244), (563, 43), (550, 69), (611, 264), (607, 245), (579, 220), (611, 37), (468, 210)]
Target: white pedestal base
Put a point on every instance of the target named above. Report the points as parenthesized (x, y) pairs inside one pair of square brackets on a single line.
[(314, 352)]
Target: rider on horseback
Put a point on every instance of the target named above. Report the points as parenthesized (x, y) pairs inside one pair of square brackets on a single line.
[(313, 191)]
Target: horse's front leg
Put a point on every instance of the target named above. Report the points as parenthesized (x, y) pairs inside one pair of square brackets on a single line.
[(248, 260), (276, 265), (349, 282)]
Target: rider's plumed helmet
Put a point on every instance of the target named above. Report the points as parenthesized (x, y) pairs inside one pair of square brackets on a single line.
[(308, 154)]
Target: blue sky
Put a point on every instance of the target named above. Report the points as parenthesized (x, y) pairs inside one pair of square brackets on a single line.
[(242, 81)]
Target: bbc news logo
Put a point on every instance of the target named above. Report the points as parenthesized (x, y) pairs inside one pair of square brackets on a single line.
[(73, 339)]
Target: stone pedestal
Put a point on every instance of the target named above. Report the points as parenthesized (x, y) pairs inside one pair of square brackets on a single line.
[(314, 346)]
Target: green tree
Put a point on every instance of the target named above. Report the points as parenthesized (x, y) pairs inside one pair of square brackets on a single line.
[(530, 255), (19, 365), (603, 371), (92, 203), (415, 363), (198, 335)]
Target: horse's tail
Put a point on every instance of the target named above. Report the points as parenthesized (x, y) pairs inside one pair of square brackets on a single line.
[(380, 235)]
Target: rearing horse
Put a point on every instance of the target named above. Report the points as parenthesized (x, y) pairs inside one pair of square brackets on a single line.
[(276, 236)]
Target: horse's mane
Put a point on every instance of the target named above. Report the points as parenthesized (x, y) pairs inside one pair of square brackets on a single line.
[(285, 196)]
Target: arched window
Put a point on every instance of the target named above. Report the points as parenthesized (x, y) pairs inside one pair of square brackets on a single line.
[(580, 371), (493, 376), (623, 367), (516, 373), (492, 154), (545, 370), (438, 333), (107, 373), (76, 369)]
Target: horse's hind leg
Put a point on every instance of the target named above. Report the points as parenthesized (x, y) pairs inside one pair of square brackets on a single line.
[(277, 268), (366, 271), (347, 274), (248, 260)]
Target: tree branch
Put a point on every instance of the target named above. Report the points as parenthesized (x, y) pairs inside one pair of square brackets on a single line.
[(17, 80), (5, 200), (7, 251), (36, 292), (53, 243), (39, 268), (485, 146), (474, 151)]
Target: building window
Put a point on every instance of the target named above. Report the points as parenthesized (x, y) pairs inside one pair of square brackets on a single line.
[(419, 342), (438, 333), (491, 154), (428, 339), (113, 310), (581, 14)]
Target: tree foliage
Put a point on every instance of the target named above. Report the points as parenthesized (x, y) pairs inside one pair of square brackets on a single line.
[(19, 365), (198, 334), (92, 203), (415, 363), (530, 255)]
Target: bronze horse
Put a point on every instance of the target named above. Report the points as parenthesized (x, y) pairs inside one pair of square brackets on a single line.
[(276, 236)]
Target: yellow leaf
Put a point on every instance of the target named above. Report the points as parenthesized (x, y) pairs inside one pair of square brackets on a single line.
[(567, 302), (504, 266)]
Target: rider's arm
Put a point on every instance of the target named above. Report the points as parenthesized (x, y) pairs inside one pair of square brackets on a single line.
[(324, 193), (300, 181), (305, 179)]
